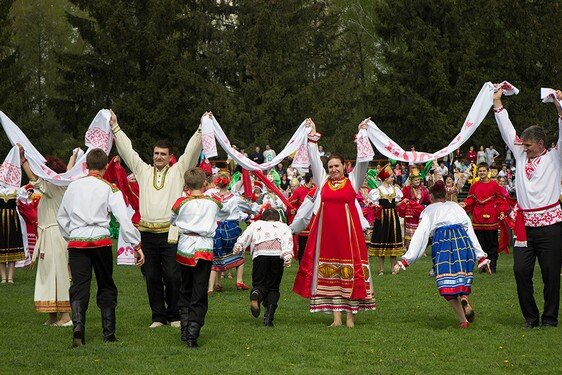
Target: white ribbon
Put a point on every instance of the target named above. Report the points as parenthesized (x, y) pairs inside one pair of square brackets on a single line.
[(476, 115), (212, 131), (549, 95), (10, 170), (98, 135)]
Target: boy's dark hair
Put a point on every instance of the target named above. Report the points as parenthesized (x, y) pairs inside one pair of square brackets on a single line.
[(96, 159), (194, 178), (307, 177), (164, 143), (483, 165), (270, 215)]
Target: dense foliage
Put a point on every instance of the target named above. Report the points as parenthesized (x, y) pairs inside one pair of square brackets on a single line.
[(262, 66)]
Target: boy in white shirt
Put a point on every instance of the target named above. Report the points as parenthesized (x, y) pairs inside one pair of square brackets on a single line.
[(271, 244), (83, 219), (196, 219)]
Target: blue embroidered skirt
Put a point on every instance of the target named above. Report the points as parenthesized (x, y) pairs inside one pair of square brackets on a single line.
[(226, 235), (453, 260)]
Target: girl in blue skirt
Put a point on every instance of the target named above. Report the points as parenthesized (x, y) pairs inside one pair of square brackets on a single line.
[(455, 251)]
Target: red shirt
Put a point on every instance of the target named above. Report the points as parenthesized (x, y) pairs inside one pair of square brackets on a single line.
[(486, 201)]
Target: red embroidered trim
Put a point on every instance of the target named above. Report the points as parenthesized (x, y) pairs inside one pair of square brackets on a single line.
[(77, 244)]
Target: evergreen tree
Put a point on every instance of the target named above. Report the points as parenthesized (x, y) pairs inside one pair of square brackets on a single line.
[(150, 59), (11, 76)]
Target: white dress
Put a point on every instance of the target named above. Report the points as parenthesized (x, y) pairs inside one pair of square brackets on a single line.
[(52, 281)]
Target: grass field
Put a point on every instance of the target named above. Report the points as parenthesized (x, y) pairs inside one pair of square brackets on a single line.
[(413, 331)]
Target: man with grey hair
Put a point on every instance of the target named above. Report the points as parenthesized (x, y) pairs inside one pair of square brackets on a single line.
[(538, 223)]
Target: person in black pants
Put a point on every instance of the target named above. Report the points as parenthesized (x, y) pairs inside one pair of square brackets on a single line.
[(538, 223), (84, 223), (271, 244)]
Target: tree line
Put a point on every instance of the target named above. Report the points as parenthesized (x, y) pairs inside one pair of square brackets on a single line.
[(262, 66)]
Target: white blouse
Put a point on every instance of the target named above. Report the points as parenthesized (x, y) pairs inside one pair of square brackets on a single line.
[(437, 215)]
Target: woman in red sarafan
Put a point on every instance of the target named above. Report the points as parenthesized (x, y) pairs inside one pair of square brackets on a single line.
[(334, 272)]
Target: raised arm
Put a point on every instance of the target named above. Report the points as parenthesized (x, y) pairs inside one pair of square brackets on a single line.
[(507, 130), (559, 110), (357, 176), (318, 172), (192, 150), (25, 164), (72, 160), (125, 147)]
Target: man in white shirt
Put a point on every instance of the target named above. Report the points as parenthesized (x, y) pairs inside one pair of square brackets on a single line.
[(491, 155), (83, 219), (268, 154), (160, 185), (538, 224)]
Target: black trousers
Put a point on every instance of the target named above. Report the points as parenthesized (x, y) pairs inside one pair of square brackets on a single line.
[(162, 276), (545, 244), (81, 263), (267, 273), (489, 241), (193, 291)]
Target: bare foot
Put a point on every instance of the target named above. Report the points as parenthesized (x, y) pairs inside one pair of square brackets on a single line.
[(335, 324), (350, 320)]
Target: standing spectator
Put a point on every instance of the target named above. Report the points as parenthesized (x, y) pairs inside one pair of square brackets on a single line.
[(471, 155), (443, 170), (508, 156), (488, 206), (481, 156), (269, 153), (257, 156), (538, 224), (491, 155)]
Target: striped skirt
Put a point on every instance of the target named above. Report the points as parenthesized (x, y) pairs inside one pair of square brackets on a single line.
[(11, 240), (453, 260), (226, 235)]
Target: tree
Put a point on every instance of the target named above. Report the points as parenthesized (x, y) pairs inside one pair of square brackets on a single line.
[(11, 74), (151, 59), (438, 53)]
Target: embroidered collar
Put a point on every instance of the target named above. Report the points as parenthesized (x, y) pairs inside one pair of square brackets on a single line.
[(532, 164), (158, 185), (337, 184)]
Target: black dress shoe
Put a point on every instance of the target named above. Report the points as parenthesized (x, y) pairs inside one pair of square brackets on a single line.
[(548, 325), (530, 325)]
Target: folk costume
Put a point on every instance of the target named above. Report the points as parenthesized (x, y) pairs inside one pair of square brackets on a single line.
[(227, 232), (159, 189), (51, 255), (11, 235), (538, 223), (196, 220), (84, 223), (334, 273), (271, 244), (419, 195), (485, 201), (455, 249), (386, 239)]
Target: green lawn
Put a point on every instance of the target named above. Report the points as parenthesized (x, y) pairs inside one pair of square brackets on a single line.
[(413, 331)]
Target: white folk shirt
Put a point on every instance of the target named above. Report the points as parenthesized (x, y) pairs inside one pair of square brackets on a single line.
[(196, 219), (158, 189), (434, 216), (381, 192), (537, 181), (83, 215), (261, 232)]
